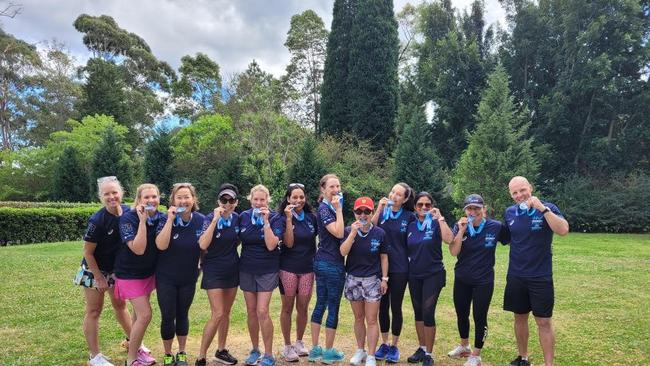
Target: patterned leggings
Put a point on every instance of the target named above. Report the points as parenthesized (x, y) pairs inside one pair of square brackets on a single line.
[(292, 283), (330, 279)]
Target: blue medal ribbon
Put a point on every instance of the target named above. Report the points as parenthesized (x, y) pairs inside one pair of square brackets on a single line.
[(149, 218), (339, 196), (223, 222), (179, 219), (426, 223), (388, 212), (298, 217), (256, 217), (360, 233), (470, 226), (523, 209)]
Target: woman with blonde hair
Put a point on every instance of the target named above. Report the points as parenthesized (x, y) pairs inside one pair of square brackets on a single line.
[(135, 266), (260, 233), (101, 243)]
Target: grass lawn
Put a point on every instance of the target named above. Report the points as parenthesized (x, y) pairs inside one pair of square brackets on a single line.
[(601, 284)]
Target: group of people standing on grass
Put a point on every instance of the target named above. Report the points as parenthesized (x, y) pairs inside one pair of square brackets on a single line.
[(130, 251)]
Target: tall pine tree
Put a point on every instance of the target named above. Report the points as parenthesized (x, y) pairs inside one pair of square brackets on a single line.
[(111, 158), (308, 168), (70, 178), (158, 160), (416, 162), (497, 150), (360, 84)]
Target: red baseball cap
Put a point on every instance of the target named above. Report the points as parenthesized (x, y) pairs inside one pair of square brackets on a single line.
[(364, 202)]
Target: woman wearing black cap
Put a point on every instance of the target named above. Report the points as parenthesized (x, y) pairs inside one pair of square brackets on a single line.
[(474, 244), (220, 271)]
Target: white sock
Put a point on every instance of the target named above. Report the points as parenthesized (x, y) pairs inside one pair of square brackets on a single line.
[(423, 348), (427, 353), (370, 357)]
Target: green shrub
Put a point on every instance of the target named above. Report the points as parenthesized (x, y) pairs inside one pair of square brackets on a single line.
[(25, 204), (613, 205), (35, 225)]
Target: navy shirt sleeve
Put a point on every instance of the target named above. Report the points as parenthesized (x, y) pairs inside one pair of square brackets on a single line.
[(93, 230), (129, 227)]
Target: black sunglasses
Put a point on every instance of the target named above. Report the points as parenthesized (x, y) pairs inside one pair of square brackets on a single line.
[(420, 204), (225, 200), (361, 212)]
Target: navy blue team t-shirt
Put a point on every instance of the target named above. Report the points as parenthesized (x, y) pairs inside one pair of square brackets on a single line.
[(364, 258), (221, 258), (129, 265), (396, 233), (179, 263), (475, 264), (424, 250), (300, 257), (530, 242), (104, 230), (328, 245), (256, 259)]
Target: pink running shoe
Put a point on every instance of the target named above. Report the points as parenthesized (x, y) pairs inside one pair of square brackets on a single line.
[(135, 363), (145, 358)]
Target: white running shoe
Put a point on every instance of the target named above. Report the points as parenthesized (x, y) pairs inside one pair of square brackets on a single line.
[(289, 354), (99, 360), (370, 361), (460, 351), (473, 361), (358, 357), (300, 348)]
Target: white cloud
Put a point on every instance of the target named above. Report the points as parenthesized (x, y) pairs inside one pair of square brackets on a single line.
[(233, 33)]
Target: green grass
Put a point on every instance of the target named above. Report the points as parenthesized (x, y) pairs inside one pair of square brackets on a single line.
[(601, 314)]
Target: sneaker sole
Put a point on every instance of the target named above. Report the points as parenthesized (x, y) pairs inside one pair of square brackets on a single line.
[(392, 361), (329, 362), (462, 355), (224, 362), (291, 360)]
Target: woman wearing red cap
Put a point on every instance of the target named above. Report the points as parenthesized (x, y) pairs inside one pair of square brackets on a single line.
[(475, 238), (367, 277)]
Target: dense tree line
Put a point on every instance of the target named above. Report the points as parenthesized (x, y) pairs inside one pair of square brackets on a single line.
[(432, 96)]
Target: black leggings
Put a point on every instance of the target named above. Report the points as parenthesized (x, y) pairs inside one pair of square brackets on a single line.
[(480, 296), (392, 300), (424, 296), (174, 302)]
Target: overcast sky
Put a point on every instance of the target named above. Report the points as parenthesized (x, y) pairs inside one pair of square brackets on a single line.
[(231, 32)]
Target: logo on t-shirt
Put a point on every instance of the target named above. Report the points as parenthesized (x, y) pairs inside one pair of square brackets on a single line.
[(374, 245), (218, 234), (110, 231), (127, 230), (428, 235), (490, 240), (91, 229), (175, 236), (311, 227), (403, 226), (536, 223)]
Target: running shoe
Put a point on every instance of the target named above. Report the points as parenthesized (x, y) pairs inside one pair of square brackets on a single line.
[(267, 361), (331, 355), (358, 357), (393, 355), (300, 348), (168, 360), (289, 354), (382, 351), (427, 360), (417, 357), (315, 354), (253, 357), (371, 361), (181, 359), (460, 351), (145, 358), (99, 360), (224, 357), (519, 361), (473, 361)]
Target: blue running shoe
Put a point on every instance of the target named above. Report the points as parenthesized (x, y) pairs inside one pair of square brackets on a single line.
[(253, 357), (315, 354), (393, 355), (382, 351), (267, 361), (331, 356)]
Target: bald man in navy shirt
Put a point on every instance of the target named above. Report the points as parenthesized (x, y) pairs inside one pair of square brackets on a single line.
[(529, 285)]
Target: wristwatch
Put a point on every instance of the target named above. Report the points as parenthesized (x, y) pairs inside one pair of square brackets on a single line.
[(546, 209)]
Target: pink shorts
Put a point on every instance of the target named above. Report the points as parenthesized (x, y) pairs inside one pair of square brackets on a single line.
[(131, 289), (290, 283)]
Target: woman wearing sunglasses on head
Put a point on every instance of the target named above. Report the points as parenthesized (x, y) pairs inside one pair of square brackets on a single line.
[(367, 277), (260, 233), (328, 269), (296, 267), (394, 214), (178, 268), (135, 266), (220, 267), (475, 239), (427, 275), (101, 243)]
